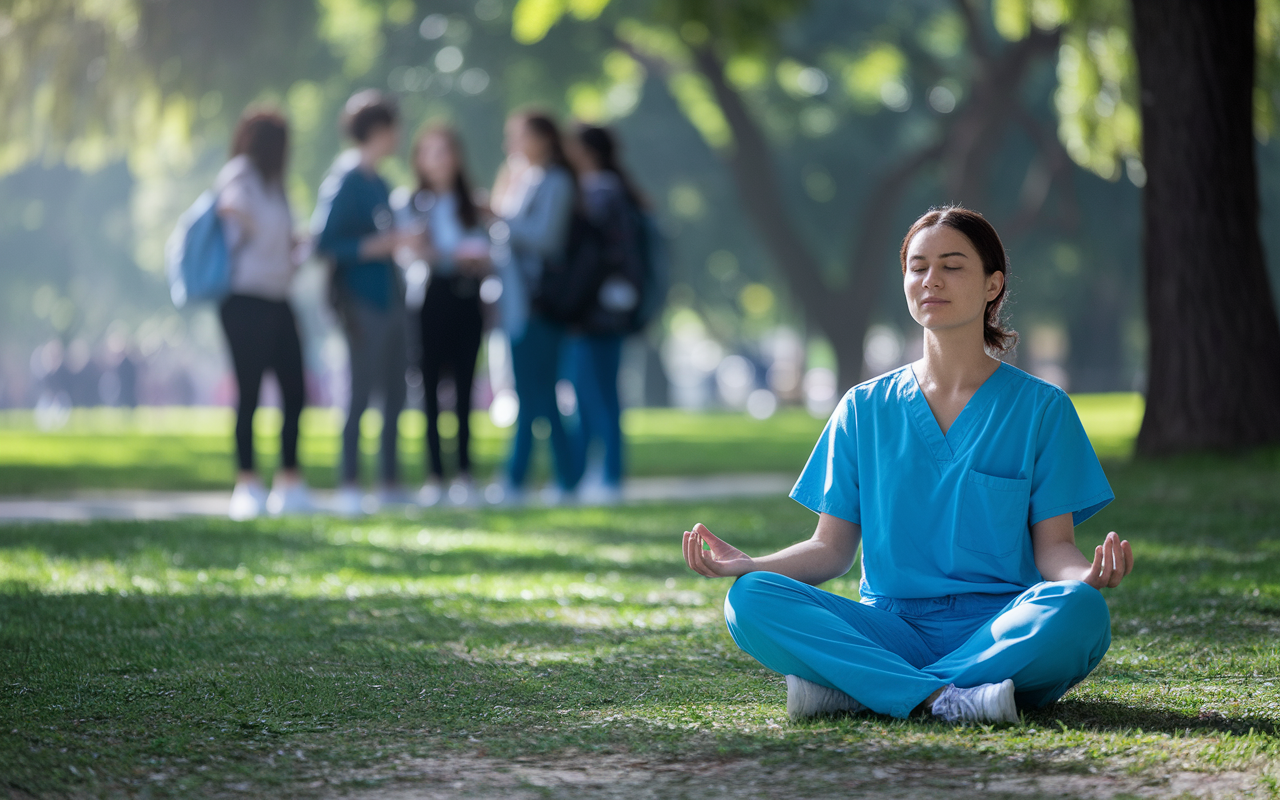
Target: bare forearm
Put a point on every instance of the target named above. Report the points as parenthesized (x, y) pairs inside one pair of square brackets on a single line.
[(811, 561), (1062, 561)]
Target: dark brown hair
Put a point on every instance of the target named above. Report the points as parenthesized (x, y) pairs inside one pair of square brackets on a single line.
[(544, 126), (262, 134), (603, 146), (367, 112), (467, 213), (998, 338)]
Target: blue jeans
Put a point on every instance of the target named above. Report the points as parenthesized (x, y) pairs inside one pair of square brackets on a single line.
[(891, 656), (593, 368), (535, 360)]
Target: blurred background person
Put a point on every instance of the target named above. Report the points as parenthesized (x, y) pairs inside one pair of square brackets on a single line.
[(593, 353), (535, 193), (451, 317), (256, 317), (355, 231)]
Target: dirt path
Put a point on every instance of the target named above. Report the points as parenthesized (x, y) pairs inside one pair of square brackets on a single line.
[(632, 778), (143, 505)]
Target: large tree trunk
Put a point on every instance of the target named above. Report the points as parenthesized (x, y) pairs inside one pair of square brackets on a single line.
[(1214, 363)]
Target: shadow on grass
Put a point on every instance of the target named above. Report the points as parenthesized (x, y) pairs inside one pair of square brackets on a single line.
[(1106, 715)]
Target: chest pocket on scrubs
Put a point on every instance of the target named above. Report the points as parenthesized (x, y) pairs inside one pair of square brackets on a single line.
[(993, 514)]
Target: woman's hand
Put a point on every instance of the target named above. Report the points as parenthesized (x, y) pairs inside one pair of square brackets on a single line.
[(1112, 561), (723, 560)]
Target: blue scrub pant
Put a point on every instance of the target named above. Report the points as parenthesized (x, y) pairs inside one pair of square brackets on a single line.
[(891, 656), (593, 363), (535, 360)]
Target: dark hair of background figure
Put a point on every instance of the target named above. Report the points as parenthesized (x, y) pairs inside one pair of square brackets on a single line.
[(367, 112), (467, 213), (998, 338), (542, 125), (262, 134), (603, 146)]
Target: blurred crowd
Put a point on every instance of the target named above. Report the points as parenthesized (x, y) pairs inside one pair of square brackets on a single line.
[(560, 261)]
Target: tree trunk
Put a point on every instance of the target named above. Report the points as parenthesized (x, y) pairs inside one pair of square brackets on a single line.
[(1214, 363)]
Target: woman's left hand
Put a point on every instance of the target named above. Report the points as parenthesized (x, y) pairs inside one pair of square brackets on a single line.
[(1112, 561)]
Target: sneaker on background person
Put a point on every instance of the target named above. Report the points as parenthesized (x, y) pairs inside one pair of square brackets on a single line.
[(289, 496), (600, 494), (462, 491), (430, 494), (348, 501), (248, 500), (502, 493)]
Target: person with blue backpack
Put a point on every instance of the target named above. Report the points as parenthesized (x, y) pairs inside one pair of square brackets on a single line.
[(262, 256), (355, 232), (536, 195), (593, 353)]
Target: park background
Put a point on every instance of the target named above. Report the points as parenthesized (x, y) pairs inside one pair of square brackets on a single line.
[(118, 114), (530, 652)]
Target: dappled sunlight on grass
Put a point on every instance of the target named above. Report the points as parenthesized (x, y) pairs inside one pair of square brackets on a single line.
[(199, 651), (191, 448)]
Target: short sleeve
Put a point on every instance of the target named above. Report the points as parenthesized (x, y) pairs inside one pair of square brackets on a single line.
[(829, 482), (1067, 477)]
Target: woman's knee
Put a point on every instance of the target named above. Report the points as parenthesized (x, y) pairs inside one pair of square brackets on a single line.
[(1079, 609), (753, 593)]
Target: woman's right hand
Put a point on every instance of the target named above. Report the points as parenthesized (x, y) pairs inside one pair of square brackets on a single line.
[(723, 560)]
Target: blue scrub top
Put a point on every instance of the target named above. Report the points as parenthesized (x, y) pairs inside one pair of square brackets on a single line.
[(952, 514)]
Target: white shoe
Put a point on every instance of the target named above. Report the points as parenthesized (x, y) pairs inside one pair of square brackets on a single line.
[(430, 494), (600, 494), (292, 499), (990, 702), (348, 502), (248, 500), (553, 496), (807, 699), (501, 494), (462, 492)]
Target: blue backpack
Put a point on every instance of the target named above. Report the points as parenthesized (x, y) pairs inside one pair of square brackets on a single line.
[(197, 260)]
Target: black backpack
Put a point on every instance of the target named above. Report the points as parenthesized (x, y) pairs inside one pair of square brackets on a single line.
[(567, 286)]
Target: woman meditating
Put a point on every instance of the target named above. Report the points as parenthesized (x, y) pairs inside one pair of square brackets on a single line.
[(963, 479)]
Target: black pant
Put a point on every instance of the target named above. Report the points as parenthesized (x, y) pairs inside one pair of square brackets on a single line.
[(452, 326), (263, 335)]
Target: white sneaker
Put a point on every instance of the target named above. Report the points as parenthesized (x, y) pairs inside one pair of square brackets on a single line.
[(600, 494), (501, 494), (292, 499), (462, 492), (248, 500), (430, 494), (807, 699), (348, 502), (553, 496), (990, 702)]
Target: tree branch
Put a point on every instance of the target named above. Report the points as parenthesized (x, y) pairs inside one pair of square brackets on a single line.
[(1055, 159), (751, 163)]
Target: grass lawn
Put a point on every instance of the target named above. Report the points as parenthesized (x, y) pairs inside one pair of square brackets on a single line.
[(496, 650), (192, 448)]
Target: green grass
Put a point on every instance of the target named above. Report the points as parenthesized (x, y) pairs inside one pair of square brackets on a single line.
[(199, 657), (191, 448)]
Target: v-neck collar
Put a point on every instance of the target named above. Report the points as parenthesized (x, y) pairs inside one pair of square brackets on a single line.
[(945, 446)]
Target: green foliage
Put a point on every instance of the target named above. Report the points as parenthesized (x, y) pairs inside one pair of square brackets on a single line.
[(203, 657)]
